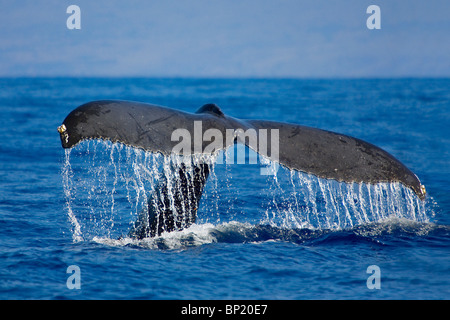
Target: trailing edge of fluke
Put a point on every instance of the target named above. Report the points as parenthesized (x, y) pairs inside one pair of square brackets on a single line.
[(323, 153)]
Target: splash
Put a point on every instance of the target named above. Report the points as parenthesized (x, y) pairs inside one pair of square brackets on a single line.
[(108, 185), (329, 204)]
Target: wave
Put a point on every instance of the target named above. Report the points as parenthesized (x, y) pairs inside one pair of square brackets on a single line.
[(379, 233)]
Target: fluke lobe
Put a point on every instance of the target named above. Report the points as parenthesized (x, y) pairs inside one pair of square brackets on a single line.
[(323, 153)]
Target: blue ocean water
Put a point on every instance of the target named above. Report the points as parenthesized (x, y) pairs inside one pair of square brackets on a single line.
[(288, 236)]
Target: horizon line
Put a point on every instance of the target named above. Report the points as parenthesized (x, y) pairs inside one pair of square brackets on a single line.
[(441, 77)]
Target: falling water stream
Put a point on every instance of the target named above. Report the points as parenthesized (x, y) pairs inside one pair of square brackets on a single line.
[(107, 185)]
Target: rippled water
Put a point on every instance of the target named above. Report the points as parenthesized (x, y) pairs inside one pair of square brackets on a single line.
[(284, 236)]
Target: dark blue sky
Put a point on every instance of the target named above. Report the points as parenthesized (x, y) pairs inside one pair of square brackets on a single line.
[(225, 38)]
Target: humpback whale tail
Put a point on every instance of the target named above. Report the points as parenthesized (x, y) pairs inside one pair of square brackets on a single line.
[(174, 204)]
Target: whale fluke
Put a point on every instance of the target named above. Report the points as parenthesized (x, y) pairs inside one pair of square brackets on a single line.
[(154, 128)]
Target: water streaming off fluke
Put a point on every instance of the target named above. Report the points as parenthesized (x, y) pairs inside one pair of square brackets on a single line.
[(108, 187)]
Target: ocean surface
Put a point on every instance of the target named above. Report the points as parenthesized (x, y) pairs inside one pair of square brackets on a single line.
[(65, 214)]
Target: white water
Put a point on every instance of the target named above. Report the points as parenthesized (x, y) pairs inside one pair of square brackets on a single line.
[(107, 185)]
